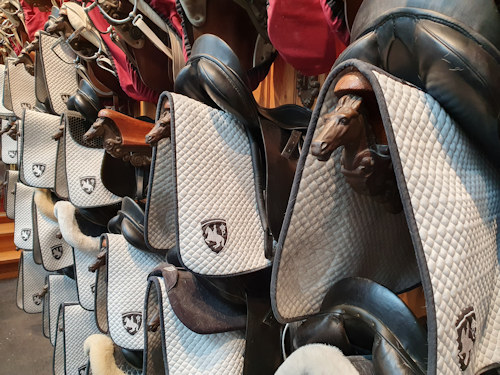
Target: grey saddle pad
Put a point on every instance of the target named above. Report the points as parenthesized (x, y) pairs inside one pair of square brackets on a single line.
[(61, 182), (451, 200), (61, 289), (85, 280), (173, 349), (9, 147), (30, 284), (10, 193), (218, 227), (21, 85), (58, 71), (75, 324), (23, 224), (127, 269), (38, 150)]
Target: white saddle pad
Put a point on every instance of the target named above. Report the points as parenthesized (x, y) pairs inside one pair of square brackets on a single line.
[(30, 282), (3, 111), (219, 231), (10, 193), (127, 273), (85, 280), (55, 252), (38, 150), (75, 324), (23, 224), (83, 166), (174, 349), (451, 200), (21, 85), (62, 289), (58, 71), (9, 147)]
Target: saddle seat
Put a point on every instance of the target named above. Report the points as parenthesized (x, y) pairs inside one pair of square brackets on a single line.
[(451, 50), (213, 75), (361, 317)]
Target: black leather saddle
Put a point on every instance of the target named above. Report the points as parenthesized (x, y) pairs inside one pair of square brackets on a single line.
[(363, 318), (213, 75), (450, 49)]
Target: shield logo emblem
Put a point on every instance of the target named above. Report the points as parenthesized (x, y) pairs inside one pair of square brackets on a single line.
[(132, 322), (26, 105), (65, 98), (37, 300), (57, 251), (466, 336), (25, 234), (38, 169), (12, 154), (82, 370), (215, 234), (87, 184)]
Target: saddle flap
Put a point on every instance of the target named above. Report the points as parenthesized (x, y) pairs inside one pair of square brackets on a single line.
[(199, 309)]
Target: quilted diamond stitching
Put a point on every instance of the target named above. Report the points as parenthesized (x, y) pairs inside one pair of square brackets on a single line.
[(191, 353), (10, 196), (86, 280), (214, 180), (455, 198), (159, 214), (47, 232), (61, 77), (22, 87), (38, 148), (33, 279), (9, 145), (76, 170), (128, 270), (78, 325), (62, 289), (24, 216), (3, 111), (336, 233)]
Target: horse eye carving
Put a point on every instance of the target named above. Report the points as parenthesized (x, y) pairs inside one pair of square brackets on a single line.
[(344, 120)]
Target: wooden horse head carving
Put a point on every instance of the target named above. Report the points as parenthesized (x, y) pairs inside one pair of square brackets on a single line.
[(162, 126), (356, 124)]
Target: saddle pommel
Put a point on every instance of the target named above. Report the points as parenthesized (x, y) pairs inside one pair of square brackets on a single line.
[(132, 131)]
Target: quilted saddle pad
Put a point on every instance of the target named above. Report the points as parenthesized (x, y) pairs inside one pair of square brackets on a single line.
[(451, 204), (21, 86), (3, 111), (30, 283), (61, 289), (75, 324), (10, 193), (218, 226), (9, 146), (23, 224), (174, 349)]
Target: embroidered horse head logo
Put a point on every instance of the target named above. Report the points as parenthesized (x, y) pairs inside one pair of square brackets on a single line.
[(466, 336), (57, 251), (38, 169), (26, 105), (37, 299), (82, 370), (132, 322), (12, 154), (215, 234), (87, 184), (25, 234), (65, 98)]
